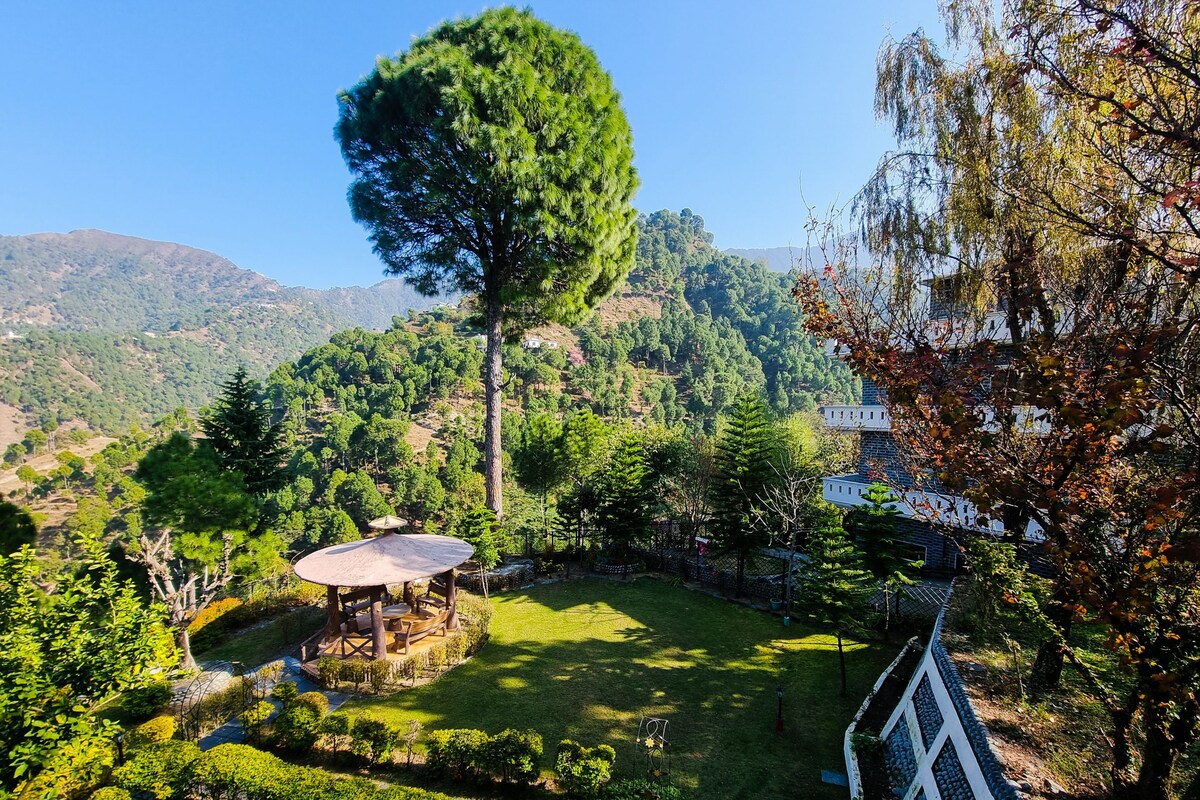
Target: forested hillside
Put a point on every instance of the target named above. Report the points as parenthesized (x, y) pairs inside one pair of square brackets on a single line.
[(113, 330)]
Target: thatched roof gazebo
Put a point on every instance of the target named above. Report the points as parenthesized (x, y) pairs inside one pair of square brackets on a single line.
[(366, 567)]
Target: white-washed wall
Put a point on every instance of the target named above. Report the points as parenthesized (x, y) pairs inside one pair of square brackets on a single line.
[(934, 746)]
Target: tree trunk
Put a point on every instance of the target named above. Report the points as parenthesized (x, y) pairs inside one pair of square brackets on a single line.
[(493, 379), (184, 642), (1048, 666), (842, 661), (1158, 762)]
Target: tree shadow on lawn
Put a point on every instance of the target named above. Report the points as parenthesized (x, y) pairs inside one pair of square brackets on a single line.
[(585, 660)]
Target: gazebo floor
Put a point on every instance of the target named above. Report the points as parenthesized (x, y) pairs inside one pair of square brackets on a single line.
[(310, 667)]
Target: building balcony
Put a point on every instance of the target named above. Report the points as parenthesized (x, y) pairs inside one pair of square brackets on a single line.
[(850, 491), (857, 418)]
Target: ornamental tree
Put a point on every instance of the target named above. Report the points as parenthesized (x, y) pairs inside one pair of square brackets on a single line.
[(493, 158), (1044, 188)]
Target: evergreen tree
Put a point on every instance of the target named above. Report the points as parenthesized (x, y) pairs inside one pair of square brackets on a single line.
[(480, 528), (541, 463), (239, 428), (884, 553), (626, 496), (493, 157), (746, 447), (833, 585)]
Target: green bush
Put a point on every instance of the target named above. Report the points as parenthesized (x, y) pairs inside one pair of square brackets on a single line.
[(298, 727), (285, 692), (582, 771), (146, 701), (513, 755), (159, 729), (457, 749), (329, 671), (318, 702), (110, 793), (379, 672), (236, 770), (641, 789), (255, 717), (336, 730), (374, 738), (158, 770)]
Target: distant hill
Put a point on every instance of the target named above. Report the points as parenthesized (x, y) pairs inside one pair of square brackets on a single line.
[(112, 329), (776, 259)]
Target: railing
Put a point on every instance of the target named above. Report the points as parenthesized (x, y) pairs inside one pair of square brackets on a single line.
[(849, 490), (861, 418)]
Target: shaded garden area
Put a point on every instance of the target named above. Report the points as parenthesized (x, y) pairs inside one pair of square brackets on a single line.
[(585, 659)]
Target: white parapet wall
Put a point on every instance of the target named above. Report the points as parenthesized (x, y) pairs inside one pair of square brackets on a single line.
[(933, 745), (857, 418)]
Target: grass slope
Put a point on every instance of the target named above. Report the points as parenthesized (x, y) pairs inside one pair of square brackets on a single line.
[(585, 659)]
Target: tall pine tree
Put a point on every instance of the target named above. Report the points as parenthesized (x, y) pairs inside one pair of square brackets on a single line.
[(626, 497), (746, 449), (873, 526)]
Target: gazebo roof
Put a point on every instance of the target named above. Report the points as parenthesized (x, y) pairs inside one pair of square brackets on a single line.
[(389, 558)]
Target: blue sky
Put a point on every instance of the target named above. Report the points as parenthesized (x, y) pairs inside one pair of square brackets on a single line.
[(210, 123)]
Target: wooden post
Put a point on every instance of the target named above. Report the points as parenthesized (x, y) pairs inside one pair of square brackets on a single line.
[(378, 635), (333, 614), (451, 601)]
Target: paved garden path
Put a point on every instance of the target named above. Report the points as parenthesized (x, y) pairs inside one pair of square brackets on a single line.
[(232, 733)]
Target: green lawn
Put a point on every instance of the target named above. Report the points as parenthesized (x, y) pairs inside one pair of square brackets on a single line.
[(273, 639), (584, 659)]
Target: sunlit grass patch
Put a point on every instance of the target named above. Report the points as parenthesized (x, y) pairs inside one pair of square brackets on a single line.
[(585, 659)]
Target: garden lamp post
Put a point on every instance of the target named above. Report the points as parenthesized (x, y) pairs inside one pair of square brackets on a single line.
[(779, 713), (120, 737)]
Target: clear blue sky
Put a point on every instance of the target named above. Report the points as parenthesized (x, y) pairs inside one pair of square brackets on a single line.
[(210, 123)]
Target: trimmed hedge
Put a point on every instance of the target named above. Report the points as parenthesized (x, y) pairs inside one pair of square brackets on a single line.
[(110, 793), (510, 756), (239, 771), (158, 770), (159, 729)]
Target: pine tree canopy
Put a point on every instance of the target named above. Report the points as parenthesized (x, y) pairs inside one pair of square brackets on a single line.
[(239, 428)]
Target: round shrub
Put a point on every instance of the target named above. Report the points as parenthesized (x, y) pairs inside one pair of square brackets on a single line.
[(318, 702), (298, 727), (158, 729), (513, 755), (374, 738), (457, 749), (582, 771), (336, 730), (110, 793), (158, 770), (146, 701)]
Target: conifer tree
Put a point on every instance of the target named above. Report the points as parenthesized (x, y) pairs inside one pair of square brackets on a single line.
[(834, 586), (746, 447), (239, 428), (874, 528), (493, 158), (626, 501)]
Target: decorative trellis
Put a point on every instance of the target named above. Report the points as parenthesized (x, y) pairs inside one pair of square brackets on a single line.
[(653, 748)]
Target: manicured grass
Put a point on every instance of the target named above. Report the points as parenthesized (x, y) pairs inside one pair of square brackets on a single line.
[(584, 659), (256, 646)]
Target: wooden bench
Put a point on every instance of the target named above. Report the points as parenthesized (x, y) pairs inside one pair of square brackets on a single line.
[(437, 595), (414, 627)]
